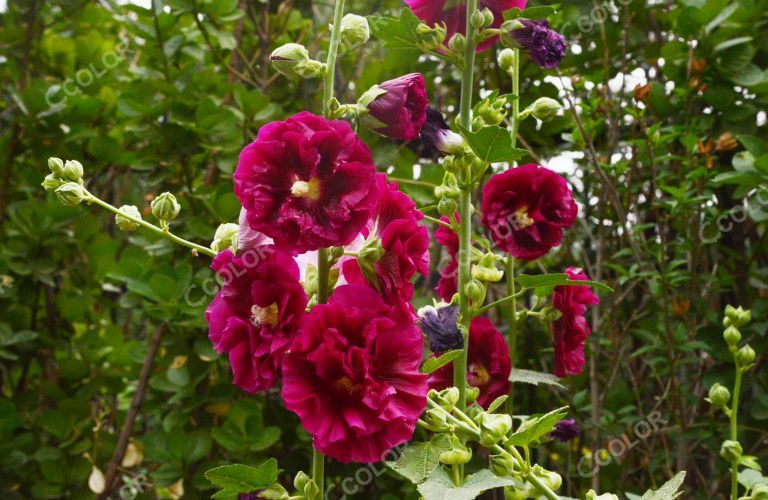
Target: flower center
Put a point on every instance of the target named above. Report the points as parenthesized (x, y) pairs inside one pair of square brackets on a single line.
[(521, 219), (345, 385), (264, 316), (304, 189), (478, 375)]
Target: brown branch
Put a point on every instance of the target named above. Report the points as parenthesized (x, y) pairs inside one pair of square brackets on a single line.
[(133, 409)]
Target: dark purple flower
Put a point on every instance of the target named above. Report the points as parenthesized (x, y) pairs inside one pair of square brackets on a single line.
[(545, 45), (401, 109), (440, 327), (565, 430), (437, 137)]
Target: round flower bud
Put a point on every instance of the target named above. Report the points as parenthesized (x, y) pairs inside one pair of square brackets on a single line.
[(732, 335), (507, 59), (736, 316), (123, 222), (760, 492), (475, 290), (165, 207), (731, 450), (545, 108), (478, 19), (436, 420), (457, 43), (457, 455), (51, 182), (472, 394), (493, 428), (502, 465), (289, 58), (591, 495), (446, 207), (354, 31), (56, 166), (447, 398), (70, 194), (225, 237), (551, 479), (745, 355), (72, 171), (719, 396)]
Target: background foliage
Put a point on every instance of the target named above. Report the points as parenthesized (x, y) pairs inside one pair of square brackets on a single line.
[(671, 180)]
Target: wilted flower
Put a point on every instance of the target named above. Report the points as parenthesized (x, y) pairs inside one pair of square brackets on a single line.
[(307, 183), (545, 46), (441, 329), (526, 209), (352, 376), (488, 364), (571, 330), (437, 137), (397, 108), (256, 313)]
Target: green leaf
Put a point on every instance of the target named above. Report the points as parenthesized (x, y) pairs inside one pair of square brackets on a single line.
[(440, 487), (721, 17), (497, 403), (238, 478), (536, 427), (750, 478), (420, 459), (668, 490), (535, 378), (433, 364), (396, 33), (541, 12), (492, 144), (732, 43), (544, 284)]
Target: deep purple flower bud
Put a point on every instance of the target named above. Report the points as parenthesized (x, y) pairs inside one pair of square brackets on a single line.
[(441, 328), (437, 138), (397, 107), (545, 45), (253, 495), (565, 430)]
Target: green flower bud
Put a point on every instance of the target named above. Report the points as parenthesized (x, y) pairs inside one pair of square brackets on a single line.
[(549, 313), (367, 257), (446, 207), (165, 207), (591, 495), (502, 465), (436, 420), (430, 38), (732, 335), (488, 15), (478, 19), (225, 237), (447, 398), (486, 270), (475, 290), (731, 450), (472, 394), (719, 396), (51, 182), (457, 44), (292, 59), (545, 108), (493, 428), (72, 171), (506, 60), (123, 222), (354, 31), (551, 479), (745, 355), (446, 191), (71, 194), (56, 166), (457, 455), (737, 316), (760, 492)]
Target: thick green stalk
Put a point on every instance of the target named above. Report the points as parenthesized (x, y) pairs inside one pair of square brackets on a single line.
[(734, 415), (329, 79), (155, 229)]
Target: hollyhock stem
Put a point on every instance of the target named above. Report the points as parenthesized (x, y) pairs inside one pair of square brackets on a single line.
[(330, 65), (734, 415), (155, 229)]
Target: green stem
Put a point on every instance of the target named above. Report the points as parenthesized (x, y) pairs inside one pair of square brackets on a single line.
[(155, 229), (323, 267), (333, 49), (318, 470), (734, 415), (437, 221), (499, 302)]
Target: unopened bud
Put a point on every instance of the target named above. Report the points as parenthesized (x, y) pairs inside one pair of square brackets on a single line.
[(760, 492), (592, 495), (502, 465), (475, 290), (354, 31), (719, 396), (732, 335), (436, 420), (478, 19), (507, 60), (731, 450), (51, 182), (72, 171), (446, 207), (551, 479), (486, 270), (56, 166), (745, 355), (488, 17), (457, 43), (545, 108), (123, 222), (493, 428), (472, 394), (447, 398), (225, 237), (292, 59), (457, 455), (71, 194), (736, 316), (165, 207)]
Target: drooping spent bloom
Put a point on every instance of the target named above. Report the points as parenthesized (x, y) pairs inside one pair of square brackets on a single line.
[(399, 108), (440, 326), (545, 46), (352, 376), (526, 209), (488, 364), (404, 249), (307, 183), (565, 430), (437, 137), (571, 330), (449, 277), (454, 15), (256, 314)]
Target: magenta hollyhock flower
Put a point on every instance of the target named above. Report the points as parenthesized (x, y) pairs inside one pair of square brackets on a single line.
[(405, 244), (526, 209), (454, 14), (352, 376), (256, 314), (545, 46), (402, 109), (571, 330), (307, 183), (449, 277), (488, 364)]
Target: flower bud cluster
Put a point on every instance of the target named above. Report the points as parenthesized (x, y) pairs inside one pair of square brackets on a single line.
[(490, 111), (292, 60), (66, 180), (306, 487)]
